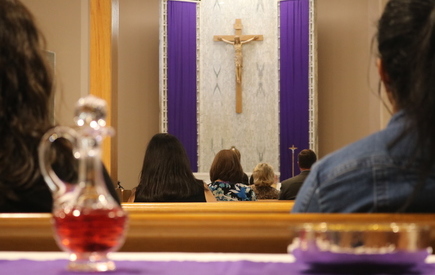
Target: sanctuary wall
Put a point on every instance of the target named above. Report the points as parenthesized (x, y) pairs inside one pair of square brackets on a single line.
[(254, 131), (242, 98)]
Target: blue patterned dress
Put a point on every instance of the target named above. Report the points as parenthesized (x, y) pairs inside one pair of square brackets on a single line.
[(227, 191)]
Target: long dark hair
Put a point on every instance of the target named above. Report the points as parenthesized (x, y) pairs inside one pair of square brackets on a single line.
[(226, 166), (166, 173), (406, 45), (25, 89)]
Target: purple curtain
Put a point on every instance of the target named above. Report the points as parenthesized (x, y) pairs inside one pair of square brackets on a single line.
[(294, 52), (181, 92)]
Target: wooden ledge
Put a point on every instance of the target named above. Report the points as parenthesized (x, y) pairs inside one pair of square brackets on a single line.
[(266, 206), (195, 232)]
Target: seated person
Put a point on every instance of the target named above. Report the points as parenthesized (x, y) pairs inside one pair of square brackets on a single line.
[(264, 178), (26, 86), (245, 179), (226, 176), (392, 170), (290, 187), (166, 175)]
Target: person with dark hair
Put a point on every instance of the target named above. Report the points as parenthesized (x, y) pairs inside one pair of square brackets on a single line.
[(166, 175), (226, 175), (245, 179), (264, 177), (290, 187), (26, 86), (392, 170)]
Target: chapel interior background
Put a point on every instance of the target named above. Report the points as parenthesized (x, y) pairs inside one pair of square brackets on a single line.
[(347, 81), (255, 131)]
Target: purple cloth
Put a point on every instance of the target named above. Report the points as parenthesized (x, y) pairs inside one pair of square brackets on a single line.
[(294, 61), (57, 267), (294, 50), (182, 76)]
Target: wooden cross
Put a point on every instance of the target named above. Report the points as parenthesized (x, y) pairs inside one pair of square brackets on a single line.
[(237, 40)]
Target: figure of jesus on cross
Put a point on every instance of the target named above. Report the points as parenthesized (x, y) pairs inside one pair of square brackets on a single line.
[(237, 41), (238, 58)]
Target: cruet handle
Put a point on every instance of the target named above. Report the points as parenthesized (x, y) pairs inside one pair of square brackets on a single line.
[(56, 185)]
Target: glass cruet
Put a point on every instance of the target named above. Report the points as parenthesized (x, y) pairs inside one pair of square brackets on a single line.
[(88, 223)]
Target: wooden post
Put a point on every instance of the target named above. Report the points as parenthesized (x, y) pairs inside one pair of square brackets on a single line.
[(104, 16), (239, 104)]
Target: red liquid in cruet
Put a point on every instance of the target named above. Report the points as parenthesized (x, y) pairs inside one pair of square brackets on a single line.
[(98, 230)]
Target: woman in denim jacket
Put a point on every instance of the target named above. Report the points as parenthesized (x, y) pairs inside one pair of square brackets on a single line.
[(391, 170)]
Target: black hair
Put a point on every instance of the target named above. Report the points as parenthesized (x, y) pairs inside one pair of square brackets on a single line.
[(306, 158), (25, 86), (166, 174), (406, 46)]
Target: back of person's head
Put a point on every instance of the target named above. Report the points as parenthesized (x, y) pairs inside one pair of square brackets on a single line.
[(25, 78), (25, 90), (263, 175), (406, 46), (237, 152), (306, 158), (226, 167), (166, 173)]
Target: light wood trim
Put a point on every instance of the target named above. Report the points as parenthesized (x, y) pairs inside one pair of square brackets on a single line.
[(211, 207), (104, 16), (26, 232), (195, 232), (258, 37), (239, 104)]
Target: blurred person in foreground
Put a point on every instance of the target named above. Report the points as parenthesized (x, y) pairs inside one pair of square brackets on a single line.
[(26, 86), (392, 170)]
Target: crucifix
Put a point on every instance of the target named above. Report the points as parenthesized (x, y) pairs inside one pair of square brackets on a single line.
[(237, 41), (293, 148)]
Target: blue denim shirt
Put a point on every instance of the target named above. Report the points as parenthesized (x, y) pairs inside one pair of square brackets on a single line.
[(368, 176)]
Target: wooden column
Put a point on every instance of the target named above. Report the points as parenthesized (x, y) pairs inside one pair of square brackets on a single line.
[(104, 17)]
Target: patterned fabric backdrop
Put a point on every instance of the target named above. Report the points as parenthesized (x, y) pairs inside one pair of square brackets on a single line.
[(255, 131), (271, 121)]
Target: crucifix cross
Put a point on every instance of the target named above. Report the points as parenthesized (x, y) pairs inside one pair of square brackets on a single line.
[(293, 148), (237, 41)]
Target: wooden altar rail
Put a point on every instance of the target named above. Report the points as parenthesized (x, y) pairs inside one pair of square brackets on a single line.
[(194, 232), (263, 206)]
